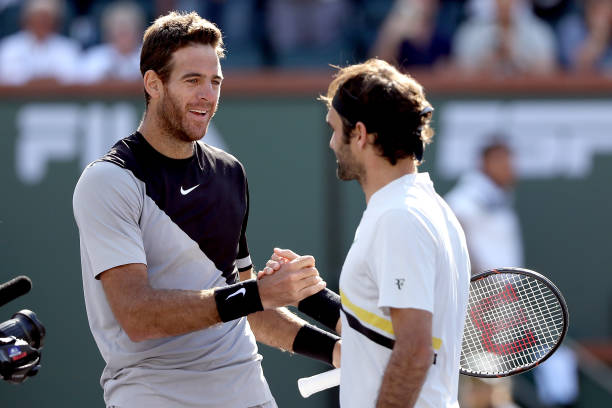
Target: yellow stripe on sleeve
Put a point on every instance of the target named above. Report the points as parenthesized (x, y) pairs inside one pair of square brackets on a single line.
[(379, 322), (365, 316)]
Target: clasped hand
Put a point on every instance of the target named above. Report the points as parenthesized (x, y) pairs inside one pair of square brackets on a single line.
[(287, 279)]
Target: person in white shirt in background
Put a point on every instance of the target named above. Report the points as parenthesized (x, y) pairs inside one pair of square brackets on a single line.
[(483, 203), (119, 57), (38, 51), (503, 38)]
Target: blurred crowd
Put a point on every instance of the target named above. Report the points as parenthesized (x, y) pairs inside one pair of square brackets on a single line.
[(77, 41)]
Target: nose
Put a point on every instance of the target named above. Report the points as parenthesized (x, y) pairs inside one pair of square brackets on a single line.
[(207, 92)]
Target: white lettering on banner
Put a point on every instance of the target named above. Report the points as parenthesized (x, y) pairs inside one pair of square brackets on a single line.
[(65, 132), (46, 132), (550, 138)]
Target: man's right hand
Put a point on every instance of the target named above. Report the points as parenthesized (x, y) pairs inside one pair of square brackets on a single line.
[(279, 257), (293, 281)]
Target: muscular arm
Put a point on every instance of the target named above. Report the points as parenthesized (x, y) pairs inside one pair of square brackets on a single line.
[(411, 358), (145, 313)]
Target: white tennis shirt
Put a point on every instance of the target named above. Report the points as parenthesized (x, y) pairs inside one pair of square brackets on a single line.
[(409, 252)]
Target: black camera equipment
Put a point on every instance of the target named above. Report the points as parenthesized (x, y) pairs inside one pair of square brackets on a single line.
[(21, 337)]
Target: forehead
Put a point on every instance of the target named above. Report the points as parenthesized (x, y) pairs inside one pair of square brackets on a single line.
[(333, 118), (196, 58)]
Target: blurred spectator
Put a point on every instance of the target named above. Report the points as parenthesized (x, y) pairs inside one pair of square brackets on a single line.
[(38, 52), (588, 39), (483, 203), (418, 33), (119, 57), (512, 41), (366, 17), (306, 32), (483, 10), (241, 21)]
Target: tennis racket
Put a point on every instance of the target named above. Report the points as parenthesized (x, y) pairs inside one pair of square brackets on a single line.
[(516, 319)]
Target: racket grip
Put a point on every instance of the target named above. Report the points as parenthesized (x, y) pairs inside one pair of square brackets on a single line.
[(319, 382)]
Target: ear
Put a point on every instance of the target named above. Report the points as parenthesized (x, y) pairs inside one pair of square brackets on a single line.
[(153, 84), (361, 134)]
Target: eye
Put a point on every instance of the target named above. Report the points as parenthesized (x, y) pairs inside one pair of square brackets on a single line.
[(193, 80)]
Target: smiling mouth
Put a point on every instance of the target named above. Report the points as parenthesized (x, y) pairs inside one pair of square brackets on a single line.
[(199, 112)]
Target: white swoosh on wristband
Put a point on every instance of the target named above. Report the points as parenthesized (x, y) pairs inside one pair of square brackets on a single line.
[(241, 291)]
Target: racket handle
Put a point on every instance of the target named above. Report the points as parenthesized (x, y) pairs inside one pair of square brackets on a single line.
[(319, 382)]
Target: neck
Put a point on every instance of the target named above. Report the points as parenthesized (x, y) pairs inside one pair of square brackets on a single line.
[(163, 141), (379, 172)]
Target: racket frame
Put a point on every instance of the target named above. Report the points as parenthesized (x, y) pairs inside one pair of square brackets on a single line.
[(548, 283)]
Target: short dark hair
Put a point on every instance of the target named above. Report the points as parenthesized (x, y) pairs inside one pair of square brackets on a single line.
[(494, 143), (172, 32), (390, 104)]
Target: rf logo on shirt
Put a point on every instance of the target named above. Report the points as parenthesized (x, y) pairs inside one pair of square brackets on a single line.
[(399, 282)]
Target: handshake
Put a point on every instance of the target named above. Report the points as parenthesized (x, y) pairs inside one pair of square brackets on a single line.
[(290, 279), (287, 279)]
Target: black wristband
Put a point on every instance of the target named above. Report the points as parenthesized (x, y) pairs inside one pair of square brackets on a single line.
[(323, 306), (310, 341), (238, 300)]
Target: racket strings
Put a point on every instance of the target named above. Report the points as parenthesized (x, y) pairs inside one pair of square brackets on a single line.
[(513, 321)]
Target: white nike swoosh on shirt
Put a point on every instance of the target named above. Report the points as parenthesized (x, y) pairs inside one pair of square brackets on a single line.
[(240, 291), (185, 192)]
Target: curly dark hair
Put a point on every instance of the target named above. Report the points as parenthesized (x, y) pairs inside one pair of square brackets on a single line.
[(390, 104)]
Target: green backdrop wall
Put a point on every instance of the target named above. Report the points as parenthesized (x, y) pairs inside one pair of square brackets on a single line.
[(296, 202)]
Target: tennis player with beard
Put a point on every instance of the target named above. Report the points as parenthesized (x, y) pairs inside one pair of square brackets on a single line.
[(166, 267), (404, 283)]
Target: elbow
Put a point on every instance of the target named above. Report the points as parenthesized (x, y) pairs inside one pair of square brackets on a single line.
[(419, 356), (135, 333), (423, 358), (136, 336), (135, 326), (135, 321)]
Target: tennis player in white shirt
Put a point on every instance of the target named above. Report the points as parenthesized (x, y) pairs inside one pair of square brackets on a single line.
[(404, 283)]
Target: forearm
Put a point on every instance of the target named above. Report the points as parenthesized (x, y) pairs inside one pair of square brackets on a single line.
[(276, 328), (404, 378), (284, 330), (156, 313), (145, 312)]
